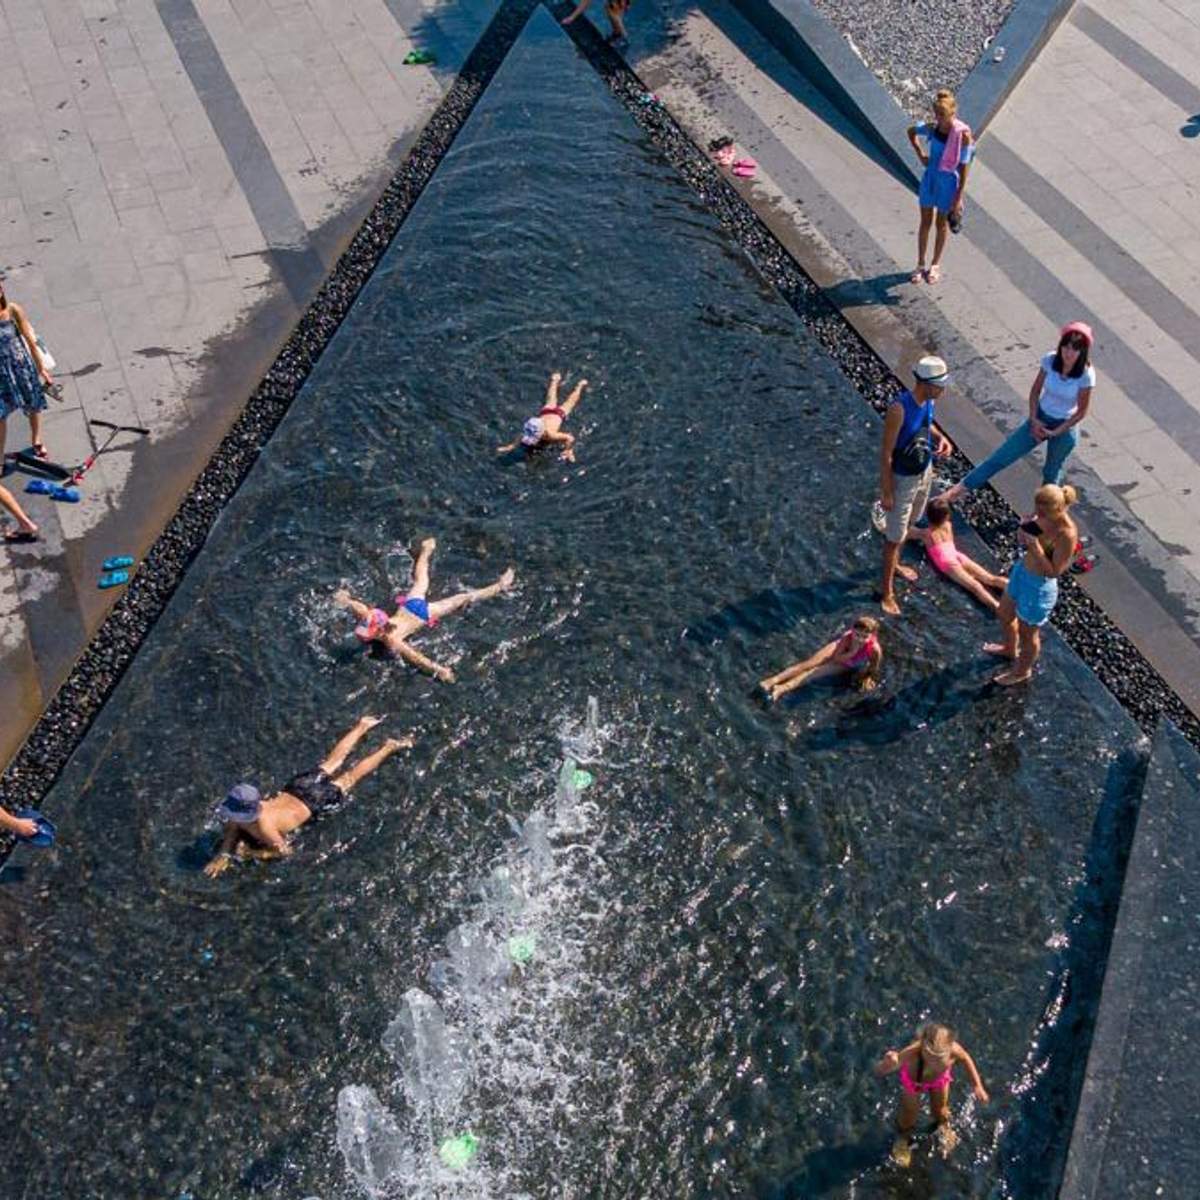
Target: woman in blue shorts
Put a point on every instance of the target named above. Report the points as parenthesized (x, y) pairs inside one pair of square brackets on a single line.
[(946, 165), (1048, 539)]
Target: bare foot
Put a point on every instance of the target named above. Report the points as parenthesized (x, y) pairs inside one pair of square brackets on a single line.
[(890, 604), (556, 377), (1010, 678), (582, 384), (341, 596), (506, 580), (934, 274), (366, 722), (404, 743), (906, 572), (429, 544), (999, 650)]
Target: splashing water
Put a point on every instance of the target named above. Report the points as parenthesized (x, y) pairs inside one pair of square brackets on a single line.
[(492, 1064)]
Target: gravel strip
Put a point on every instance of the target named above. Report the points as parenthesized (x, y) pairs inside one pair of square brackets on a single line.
[(917, 46)]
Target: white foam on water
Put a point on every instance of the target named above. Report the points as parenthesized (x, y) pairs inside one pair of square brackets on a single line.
[(496, 1047)]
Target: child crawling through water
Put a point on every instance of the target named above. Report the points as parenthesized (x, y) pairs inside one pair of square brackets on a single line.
[(856, 653), (938, 541), (926, 1067), (414, 611), (546, 428)]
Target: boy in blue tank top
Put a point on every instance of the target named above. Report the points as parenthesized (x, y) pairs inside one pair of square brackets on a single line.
[(911, 441)]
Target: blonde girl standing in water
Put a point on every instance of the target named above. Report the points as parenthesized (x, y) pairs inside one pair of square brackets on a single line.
[(926, 1068)]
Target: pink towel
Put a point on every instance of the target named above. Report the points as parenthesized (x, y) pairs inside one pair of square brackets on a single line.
[(953, 150)]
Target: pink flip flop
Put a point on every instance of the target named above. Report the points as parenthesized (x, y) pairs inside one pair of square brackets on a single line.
[(745, 168)]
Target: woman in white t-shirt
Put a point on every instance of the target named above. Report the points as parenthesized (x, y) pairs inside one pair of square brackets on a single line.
[(1058, 401)]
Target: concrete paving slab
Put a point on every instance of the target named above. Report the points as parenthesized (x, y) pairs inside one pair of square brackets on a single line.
[(146, 232)]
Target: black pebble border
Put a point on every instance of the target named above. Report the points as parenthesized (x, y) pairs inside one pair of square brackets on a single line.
[(1143, 693), (98, 670), (66, 720)]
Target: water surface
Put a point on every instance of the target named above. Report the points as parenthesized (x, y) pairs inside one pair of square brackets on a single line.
[(732, 923)]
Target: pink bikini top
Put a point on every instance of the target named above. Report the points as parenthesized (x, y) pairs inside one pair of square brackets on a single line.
[(863, 653), (913, 1088)]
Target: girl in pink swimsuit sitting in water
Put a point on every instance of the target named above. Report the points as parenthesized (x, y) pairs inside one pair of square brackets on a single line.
[(926, 1067), (856, 653), (938, 540)]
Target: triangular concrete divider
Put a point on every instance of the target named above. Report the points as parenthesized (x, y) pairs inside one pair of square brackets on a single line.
[(1132, 1134), (815, 47)]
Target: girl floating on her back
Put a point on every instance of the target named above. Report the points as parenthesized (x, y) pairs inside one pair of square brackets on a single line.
[(546, 428), (938, 541), (857, 654), (414, 611), (926, 1067)]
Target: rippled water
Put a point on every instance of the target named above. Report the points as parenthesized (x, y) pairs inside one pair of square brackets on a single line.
[(728, 927)]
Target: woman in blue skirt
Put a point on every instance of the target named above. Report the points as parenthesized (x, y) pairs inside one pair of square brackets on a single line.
[(23, 374)]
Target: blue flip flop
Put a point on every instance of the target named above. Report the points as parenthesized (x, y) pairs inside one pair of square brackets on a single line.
[(70, 494), (40, 487), (113, 579), (46, 828), (116, 562)]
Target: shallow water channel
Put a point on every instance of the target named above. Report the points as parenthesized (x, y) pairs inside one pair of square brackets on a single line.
[(729, 926)]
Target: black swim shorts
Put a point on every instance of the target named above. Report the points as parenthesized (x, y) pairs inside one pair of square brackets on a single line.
[(315, 790)]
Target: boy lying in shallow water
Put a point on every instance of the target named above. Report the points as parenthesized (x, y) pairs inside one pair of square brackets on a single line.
[(258, 828)]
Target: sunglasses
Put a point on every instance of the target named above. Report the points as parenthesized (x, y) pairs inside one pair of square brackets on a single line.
[(1075, 342)]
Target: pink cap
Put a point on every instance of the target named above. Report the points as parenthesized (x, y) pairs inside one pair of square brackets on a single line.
[(372, 626), (1080, 327)]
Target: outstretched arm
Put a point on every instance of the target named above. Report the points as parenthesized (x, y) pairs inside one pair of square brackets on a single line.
[(566, 440), (357, 607), (891, 1060), (509, 448), (976, 1082), (224, 855), (580, 9), (417, 659)]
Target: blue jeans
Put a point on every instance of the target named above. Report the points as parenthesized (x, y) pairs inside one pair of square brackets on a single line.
[(1017, 445)]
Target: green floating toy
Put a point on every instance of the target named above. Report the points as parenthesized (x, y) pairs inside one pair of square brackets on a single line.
[(419, 58), (521, 947), (456, 1152), (583, 779)]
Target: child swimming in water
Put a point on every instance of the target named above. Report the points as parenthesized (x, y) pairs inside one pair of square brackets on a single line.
[(414, 611), (938, 541), (856, 653), (546, 428), (926, 1067)]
